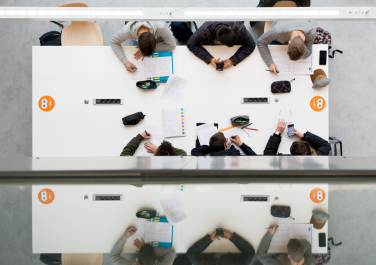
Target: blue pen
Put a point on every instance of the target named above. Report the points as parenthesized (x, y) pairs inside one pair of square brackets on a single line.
[(246, 126), (232, 137), (130, 67), (129, 231), (146, 133)]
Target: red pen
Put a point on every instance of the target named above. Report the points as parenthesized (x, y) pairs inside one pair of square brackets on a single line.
[(252, 129)]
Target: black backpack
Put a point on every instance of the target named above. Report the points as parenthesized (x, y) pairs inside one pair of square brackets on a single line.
[(182, 30), (51, 38), (51, 259)]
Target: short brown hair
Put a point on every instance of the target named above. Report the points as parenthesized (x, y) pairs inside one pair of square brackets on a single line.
[(217, 142), (296, 48), (165, 149), (295, 249), (300, 149), (147, 255), (147, 43)]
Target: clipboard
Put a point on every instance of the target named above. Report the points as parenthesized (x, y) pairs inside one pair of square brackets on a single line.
[(198, 124), (163, 79)]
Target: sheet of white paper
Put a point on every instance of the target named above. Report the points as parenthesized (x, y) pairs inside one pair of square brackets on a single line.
[(205, 131), (153, 129), (157, 67), (284, 232), (174, 122), (174, 88), (233, 131), (156, 139), (303, 66), (140, 74), (155, 231), (139, 224), (285, 67), (173, 188), (173, 209), (303, 231)]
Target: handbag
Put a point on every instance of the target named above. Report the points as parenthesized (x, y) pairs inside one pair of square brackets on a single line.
[(281, 211), (281, 86), (51, 38), (133, 119), (148, 84)]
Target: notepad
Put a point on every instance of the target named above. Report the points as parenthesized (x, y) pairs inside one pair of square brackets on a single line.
[(174, 122)]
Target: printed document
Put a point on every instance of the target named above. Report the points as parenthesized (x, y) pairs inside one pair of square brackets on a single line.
[(229, 133), (174, 122), (139, 224), (174, 88), (153, 129), (173, 209), (205, 132), (303, 231), (139, 74), (159, 66), (158, 231), (284, 231), (285, 67), (303, 66)]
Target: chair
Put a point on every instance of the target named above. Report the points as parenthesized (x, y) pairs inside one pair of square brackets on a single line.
[(82, 259), (268, 24), (81, 33)]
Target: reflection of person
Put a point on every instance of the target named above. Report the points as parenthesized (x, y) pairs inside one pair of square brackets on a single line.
[(220, 146), (299, 35), (298, 252), (303, 147), (196, 257), (165, 149), (147, 254), (227, 33), (146, 34)]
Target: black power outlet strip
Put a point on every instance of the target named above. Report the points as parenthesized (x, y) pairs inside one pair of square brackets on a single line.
[(108, 101)]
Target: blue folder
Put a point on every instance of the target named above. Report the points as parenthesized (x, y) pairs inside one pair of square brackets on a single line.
[(162, 244), (163, 79)]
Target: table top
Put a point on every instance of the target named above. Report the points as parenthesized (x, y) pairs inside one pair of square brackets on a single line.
[(72, 74), (71, 224)]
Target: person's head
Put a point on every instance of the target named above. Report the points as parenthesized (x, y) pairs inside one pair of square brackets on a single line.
[(146, 255), (300, 149), (227, 259), (146, 43), (218, 142), (296, 48), (165, 149), (226, 36), (295, 251)]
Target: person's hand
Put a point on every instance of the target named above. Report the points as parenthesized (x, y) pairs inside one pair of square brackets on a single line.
[(236, 139), (138, 243), (228, 64), (214, 62), (129, 64), (214, 236), (281, 126), (298, 134), (273, 230), (227, 234), (227, 145), (139, 55), (152, 148), (273, 68), (130, 233), (146, 136)]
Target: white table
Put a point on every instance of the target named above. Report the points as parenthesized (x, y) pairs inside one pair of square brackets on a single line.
[(72, 74), (71, 224)]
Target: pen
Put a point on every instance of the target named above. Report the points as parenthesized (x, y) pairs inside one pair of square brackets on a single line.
[(270, 70), (271, 227), (129, 231), (146, 133), (252, 129), (130, 67), (232, 137), (246, 125)]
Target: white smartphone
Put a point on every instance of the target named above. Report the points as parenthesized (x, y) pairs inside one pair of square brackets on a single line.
[(290, 130)]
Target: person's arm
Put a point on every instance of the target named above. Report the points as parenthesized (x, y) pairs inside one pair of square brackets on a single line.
[(168, 43), (115, 255), (201, 150), (180, 152), (321, 146), (246, 249), (262, 45), (310, 38), (194, 44), (273, 145), (132, 146), (248, 46), (115, 42), (308, 257), (167, 255), (194, 252), (248, 150)]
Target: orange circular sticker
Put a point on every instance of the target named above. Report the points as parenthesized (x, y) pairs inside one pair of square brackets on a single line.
[(318, 103), (317, 195), (46, 196), (46, 103)]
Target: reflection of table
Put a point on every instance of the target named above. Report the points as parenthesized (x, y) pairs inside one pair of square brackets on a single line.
[(71, 224), (72, 74)]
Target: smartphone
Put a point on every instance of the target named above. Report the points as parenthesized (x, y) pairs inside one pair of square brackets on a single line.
[(290, 130), (322, 240), (220, 66), (323, 55), (219, 232)]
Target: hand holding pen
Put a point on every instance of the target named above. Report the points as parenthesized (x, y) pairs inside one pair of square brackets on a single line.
[(130, 231), (273, 229)]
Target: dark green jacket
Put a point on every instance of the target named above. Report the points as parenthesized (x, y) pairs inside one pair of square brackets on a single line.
[(133, 144)]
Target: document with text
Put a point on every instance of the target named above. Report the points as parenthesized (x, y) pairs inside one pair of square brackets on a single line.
[(204, 132), (158, 231), (174, 89), (173, 209), (174, 122)]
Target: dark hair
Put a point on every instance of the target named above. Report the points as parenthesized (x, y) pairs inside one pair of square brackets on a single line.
[(165, 149), (296, 48), (217, 142), (228, 259), (300, 149), (295, 249), (226, 36), (147, 255), (146, 43)]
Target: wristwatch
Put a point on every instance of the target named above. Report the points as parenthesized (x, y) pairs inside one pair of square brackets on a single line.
[(277, 133)]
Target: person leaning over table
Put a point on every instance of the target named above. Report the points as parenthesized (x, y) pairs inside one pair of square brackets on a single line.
[(146, 34), (298, 252), (220, 146), (299, 35), (147, 254), (165, 149), (303, 147), (196, 256), (227, 33)]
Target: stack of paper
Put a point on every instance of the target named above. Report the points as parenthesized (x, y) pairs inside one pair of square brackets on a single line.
[(205, 132), (174, 122)]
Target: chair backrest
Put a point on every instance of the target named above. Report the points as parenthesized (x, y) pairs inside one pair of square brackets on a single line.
[(82, 259), (82, 33), (285, 4)]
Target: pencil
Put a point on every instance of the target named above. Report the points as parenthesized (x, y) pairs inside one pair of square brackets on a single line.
[(227, 128)]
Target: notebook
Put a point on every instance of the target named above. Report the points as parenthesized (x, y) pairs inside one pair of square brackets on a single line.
[(158, 67), (174, 122)]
